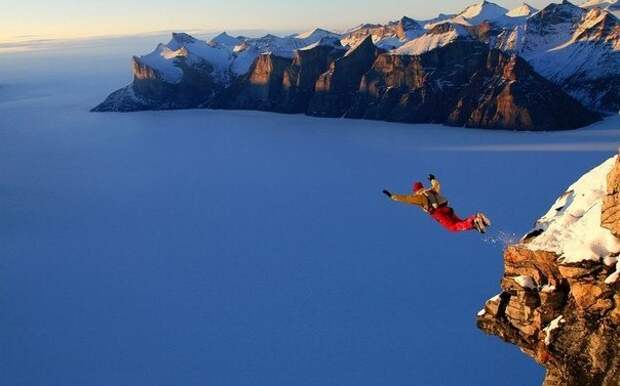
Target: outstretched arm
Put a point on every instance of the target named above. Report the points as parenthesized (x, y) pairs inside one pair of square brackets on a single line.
[(411, 199), (435, 185)]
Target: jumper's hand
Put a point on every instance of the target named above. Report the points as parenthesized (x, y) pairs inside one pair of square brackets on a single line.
[(387, 193)]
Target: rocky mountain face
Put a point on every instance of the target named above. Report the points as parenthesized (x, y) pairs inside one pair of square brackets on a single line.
[(336, 88), (352, 74), (281, 84), (465, 84), (560, 299)]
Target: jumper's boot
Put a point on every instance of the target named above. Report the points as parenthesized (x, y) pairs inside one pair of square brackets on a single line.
[(484, 219), (478, 225), (481, 222)]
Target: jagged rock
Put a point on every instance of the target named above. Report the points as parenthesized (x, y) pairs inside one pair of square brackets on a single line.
[(335, 89), (562, 312), (465, 84)]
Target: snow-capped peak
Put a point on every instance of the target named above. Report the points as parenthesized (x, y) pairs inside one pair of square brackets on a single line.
[(315, 34), (327, 41), (439, 36), (522, 11), (480, 12), (226, 40), (181, 38)]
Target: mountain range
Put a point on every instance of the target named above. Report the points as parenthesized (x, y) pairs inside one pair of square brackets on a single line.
[(485, 67)]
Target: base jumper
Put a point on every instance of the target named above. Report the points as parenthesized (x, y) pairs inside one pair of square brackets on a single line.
[(436, 205)]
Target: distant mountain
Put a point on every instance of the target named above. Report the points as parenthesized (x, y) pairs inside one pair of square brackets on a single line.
[(388, 36), (319, 72), (577, 48)]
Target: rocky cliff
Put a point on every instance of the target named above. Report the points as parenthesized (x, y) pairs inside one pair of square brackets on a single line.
[(464, 83), (560, 299)]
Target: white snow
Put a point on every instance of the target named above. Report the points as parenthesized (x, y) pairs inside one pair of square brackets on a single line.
[(553, 325), (430, 41), (525, 281), (495, 298), (226, 40), (614, 276), (316, 34), (572, 227), (472, 15), (481, 312), (162, 60), (521, 11), (547, 288), (325, 41)]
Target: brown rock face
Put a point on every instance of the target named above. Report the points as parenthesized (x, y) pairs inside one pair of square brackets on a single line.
[(564, 316), (465, 84), (300, 77), (336, 88), (260, 89)]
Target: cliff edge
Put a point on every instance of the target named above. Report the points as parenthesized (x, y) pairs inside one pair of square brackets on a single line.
[(560, 299)]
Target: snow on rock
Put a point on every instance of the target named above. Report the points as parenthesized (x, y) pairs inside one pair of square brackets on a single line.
[(611, 279), (553, 325), (163, 61), (226, 40), (441, 18), (327, 41), (480, 12), (572, 227), (525, 282), (316, 34), (439, 36), (521, 11), (547, 288), (472, 15), (388, 36)]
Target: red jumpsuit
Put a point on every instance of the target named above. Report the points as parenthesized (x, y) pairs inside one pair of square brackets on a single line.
[(445, 216)]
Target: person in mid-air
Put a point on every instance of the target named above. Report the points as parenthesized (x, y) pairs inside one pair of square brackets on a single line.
[(432, 202)]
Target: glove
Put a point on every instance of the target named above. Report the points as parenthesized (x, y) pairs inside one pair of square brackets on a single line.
[(431, 177), (387, 193)]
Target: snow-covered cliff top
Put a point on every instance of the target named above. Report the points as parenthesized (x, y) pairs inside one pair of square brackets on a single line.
[(572, 226)]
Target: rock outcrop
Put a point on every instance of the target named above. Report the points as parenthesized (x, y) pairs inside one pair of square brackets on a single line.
[(560, 299)]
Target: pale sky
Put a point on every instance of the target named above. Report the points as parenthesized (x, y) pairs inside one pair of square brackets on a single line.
[(26, 19)]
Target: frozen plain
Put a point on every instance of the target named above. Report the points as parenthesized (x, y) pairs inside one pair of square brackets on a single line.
[(242, 248)]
